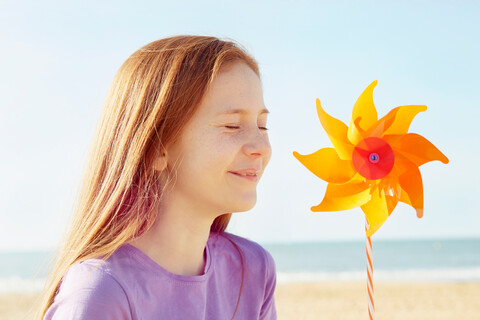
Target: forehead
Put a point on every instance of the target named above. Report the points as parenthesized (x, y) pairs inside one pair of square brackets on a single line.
[(236, 88)]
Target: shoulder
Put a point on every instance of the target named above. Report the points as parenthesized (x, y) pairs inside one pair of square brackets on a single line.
[(259, 267), (253, 253), (95, 275), (90, 290)]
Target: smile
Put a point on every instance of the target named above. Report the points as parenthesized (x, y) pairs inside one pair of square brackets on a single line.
[(248, 177)]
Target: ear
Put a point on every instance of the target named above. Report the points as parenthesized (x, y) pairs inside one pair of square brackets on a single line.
[(160, 162)]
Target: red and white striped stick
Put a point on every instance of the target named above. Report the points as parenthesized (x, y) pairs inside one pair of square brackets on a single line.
[(371, 304)]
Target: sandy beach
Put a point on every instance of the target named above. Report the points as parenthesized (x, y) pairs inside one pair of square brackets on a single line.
[(340, 301), (393, 301)]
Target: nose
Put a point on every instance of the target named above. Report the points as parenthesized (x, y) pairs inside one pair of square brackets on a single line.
[(258, 145)]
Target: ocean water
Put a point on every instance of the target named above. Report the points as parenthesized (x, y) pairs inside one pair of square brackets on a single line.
[(413, 260), (423, 260), (24, 271)]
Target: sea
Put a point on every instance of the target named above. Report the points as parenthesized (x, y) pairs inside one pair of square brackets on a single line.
[(435, 260)]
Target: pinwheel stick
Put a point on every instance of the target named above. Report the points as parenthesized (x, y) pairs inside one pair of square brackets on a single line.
[(371, 304)]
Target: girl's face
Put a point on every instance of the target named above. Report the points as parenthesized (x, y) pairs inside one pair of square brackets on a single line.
[(224, 149)]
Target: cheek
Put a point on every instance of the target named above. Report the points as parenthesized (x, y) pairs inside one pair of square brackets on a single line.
[(268, 157), (267, 153), (213, 153)]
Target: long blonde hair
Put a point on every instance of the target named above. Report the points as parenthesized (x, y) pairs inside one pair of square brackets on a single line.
[(153, 95)]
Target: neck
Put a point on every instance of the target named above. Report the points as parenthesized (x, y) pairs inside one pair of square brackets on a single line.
[(177, 239)]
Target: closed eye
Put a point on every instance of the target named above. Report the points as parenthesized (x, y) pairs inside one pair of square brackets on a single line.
[(237, 127)]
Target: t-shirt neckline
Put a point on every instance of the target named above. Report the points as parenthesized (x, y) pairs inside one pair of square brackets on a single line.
[(144, 259)]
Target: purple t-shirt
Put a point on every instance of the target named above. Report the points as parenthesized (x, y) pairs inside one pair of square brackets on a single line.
[(130, 285)]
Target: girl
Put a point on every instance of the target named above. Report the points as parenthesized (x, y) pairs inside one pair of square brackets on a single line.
[(181, 144)]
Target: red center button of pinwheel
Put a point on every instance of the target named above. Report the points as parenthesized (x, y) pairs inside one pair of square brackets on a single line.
[(373, 158)]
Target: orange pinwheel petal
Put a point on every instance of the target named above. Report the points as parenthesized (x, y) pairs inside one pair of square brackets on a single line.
[(404, 197), (378, 129), (410, 180), (344, 196), (402, 118), (416, 148), (326, 165), (364, 109), (337, 132)]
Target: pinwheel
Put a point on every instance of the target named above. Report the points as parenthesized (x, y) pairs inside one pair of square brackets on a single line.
[(373, 164)]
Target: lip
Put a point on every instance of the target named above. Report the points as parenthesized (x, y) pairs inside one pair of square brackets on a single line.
[(243, 174)]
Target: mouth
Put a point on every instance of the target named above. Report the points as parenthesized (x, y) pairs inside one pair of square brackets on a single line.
[(250, 176)]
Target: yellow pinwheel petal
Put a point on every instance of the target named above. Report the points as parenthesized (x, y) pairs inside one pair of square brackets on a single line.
[(337, 132), (326, 165), (364, 109), (390, 185), (357, 178), (410, 180), (378, 209), (402, 118), (415, 148), (358, 134), (344, 196)]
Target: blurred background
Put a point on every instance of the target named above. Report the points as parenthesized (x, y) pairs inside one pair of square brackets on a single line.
[(58, 58)]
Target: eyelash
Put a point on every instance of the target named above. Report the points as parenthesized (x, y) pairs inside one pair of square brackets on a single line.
[(237, 127)]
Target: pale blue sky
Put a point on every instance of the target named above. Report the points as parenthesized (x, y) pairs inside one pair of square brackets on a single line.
[(57, 60)]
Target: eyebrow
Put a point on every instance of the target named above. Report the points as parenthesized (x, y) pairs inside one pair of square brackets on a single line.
[(242, 111)]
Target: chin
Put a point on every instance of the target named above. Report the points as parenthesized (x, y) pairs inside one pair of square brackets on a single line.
[(243, 209), (246, 207), (242, 206)]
